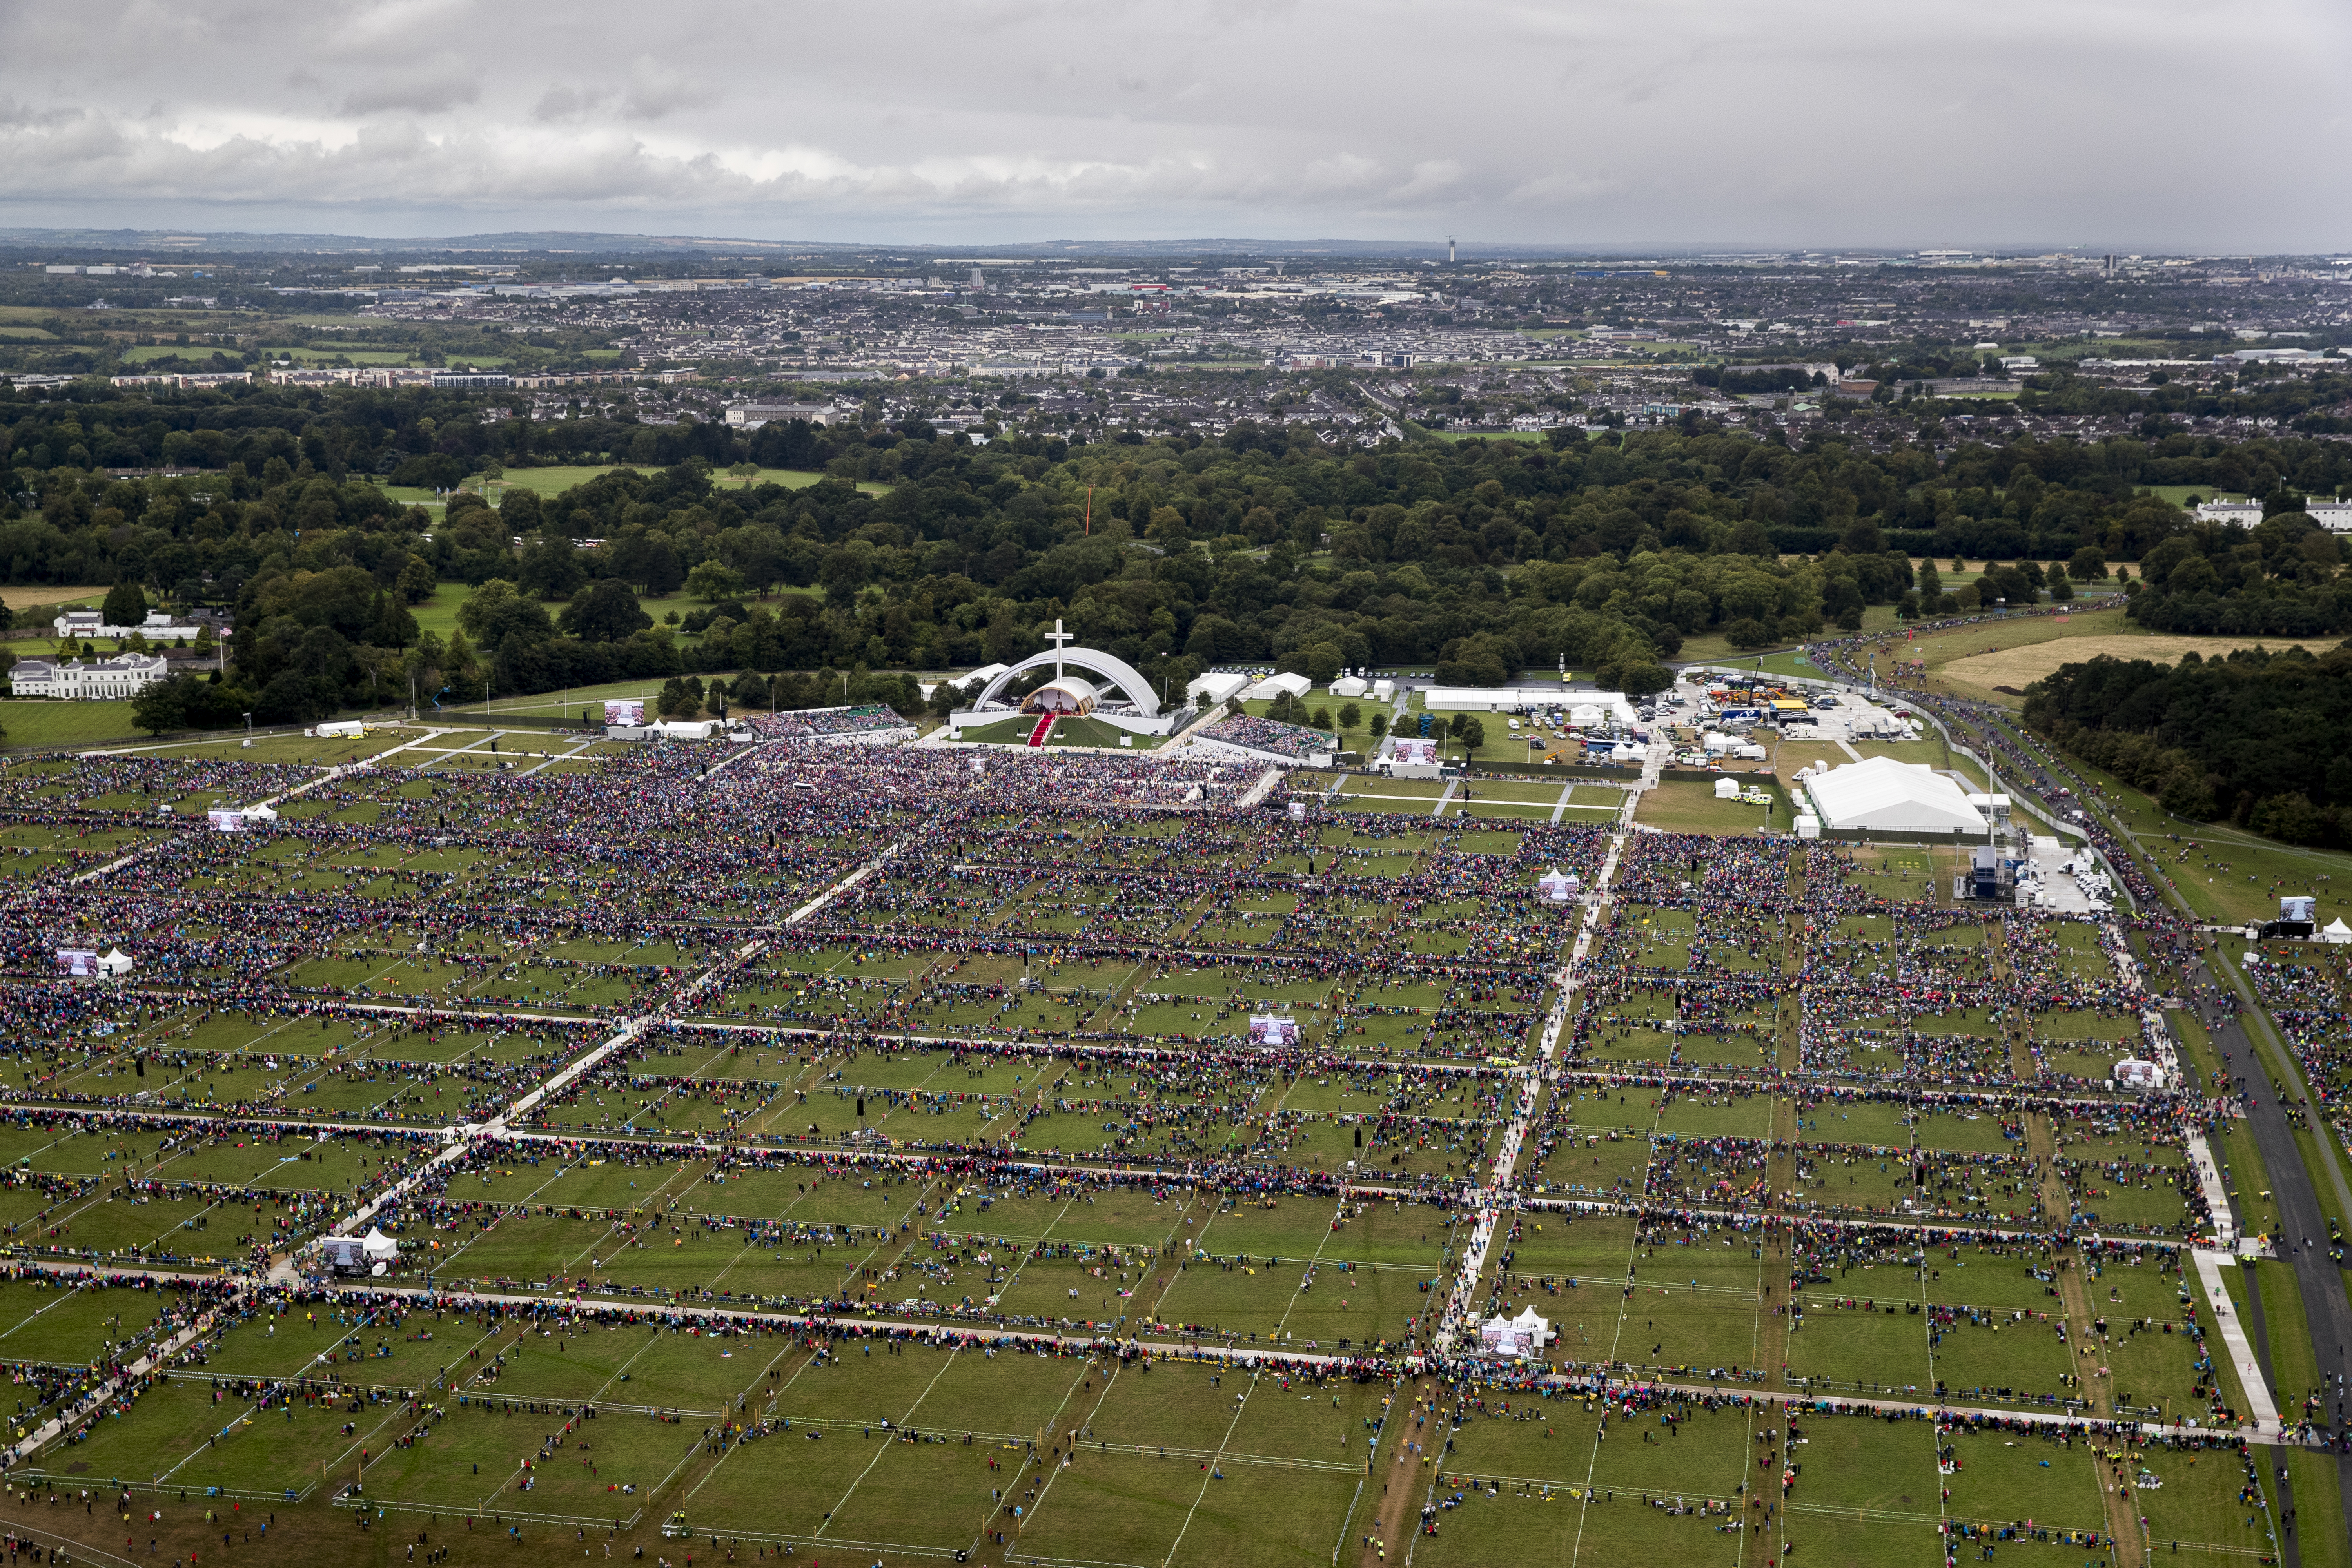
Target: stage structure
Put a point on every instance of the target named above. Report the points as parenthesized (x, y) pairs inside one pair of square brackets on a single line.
[(1120, 697)]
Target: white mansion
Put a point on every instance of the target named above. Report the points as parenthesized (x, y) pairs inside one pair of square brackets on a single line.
[(125, 675)]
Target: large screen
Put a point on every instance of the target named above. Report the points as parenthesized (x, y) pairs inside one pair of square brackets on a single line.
[(1416, 752), (227, 820), (76, 961), (1272, 1029), (628, 714)]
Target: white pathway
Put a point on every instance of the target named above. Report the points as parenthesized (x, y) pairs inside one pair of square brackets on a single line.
[(1488, 1199), (2259, 1404)]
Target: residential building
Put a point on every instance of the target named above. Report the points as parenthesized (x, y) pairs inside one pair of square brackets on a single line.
[(159, 627), (124, 675), (752, 415)]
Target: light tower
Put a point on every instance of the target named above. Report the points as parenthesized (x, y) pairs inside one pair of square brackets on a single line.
[(1449, 250)]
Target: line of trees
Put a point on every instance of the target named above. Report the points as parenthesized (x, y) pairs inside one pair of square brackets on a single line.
[(1264, 546), (2262, 738)]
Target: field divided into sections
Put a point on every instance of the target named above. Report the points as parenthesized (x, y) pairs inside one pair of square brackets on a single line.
[(857, 1154)]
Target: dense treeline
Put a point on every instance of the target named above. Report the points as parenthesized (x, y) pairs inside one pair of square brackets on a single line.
[(1263, 546), (2262, 738), (2281, 577)]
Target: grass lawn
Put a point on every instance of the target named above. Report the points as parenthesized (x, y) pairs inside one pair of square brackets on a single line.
[(38, 597), (2231, 875), (34, 722), (438, 614), (1687, 805), (555, 480)]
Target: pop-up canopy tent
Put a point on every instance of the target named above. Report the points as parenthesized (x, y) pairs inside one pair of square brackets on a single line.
[(2335, 931), (1558, 887), (1519, 1336), (370, 1254)]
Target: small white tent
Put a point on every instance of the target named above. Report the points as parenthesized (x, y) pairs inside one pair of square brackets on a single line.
[(116, 963), (380, 1251), (1351, 686), (1520, 1336), (2335, 931), (1726, 788)]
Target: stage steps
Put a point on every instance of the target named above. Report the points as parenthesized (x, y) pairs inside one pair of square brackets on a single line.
[(1045, 728)]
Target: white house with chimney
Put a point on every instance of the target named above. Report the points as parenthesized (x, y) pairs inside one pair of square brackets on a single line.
[(159, 627), (115, 679)]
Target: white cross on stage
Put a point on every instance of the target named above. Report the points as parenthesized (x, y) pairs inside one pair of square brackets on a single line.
[(1057, 636)]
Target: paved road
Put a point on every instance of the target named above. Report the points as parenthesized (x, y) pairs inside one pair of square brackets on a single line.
[(2327, 1312)]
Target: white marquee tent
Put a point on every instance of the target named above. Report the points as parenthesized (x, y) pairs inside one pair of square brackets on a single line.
[(1882, 794), (1273, 686), (1220, 686)]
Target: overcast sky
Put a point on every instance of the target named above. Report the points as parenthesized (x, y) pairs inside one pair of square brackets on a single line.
[(2137, 124)]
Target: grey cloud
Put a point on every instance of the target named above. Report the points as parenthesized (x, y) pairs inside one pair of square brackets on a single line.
[(425, 95), (1816, 122)]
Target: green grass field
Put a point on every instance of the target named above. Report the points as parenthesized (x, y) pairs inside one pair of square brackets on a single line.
[(770, 1269), (36, 721), (1687, 806)]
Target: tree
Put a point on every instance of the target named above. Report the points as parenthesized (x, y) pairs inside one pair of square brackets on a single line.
[(2061, 586), (126, 604), (162, 705), (1380, 726), (1473, 735), (1320, 719), (607, 612), (1640, 680), (714, 580), (2088, 564), (394, 627), (1349, 717), (416, 580), (551, 569)]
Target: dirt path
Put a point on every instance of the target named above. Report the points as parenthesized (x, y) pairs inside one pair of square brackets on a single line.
[(1404, 1478)]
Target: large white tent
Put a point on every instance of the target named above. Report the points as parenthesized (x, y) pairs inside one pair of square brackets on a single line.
[(1275, 686), (1220, 686), (1881, 794)]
